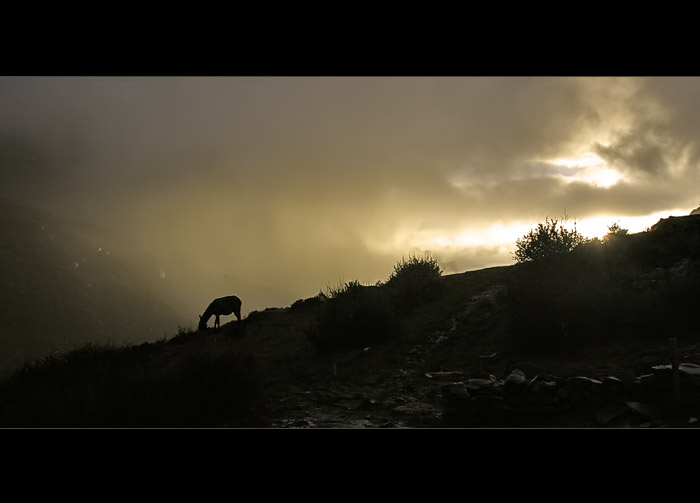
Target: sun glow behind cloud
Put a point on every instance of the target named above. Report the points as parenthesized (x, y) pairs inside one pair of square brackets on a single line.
[(583, 166), (588, 168)]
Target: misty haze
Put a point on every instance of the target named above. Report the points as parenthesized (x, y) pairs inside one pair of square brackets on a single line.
[(370, 241)]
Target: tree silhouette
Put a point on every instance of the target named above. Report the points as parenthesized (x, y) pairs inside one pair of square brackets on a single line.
[(547, 240)]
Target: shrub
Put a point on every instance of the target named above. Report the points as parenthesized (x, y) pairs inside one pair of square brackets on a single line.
[(564, 303), (615, 231), (415, 281), (546, 241), (601, 292), (415, 268), (348, 289), (353, 317)]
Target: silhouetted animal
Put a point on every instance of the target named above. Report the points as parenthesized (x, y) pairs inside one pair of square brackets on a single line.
[(222, 306)]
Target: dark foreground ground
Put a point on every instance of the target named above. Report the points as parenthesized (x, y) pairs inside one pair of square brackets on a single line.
[(451, 369)]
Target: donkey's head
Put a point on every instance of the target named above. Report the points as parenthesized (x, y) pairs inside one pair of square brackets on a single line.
[(202, 323)]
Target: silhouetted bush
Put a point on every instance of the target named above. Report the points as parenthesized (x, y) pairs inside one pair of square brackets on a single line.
[(547, 240), (351, 288), (109, 387), (615, 231), (558, 305), (415, 281), (354, 316), (630, 286)]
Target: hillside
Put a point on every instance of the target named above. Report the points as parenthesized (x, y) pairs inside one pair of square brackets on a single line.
[(64, 282), (584, 341)]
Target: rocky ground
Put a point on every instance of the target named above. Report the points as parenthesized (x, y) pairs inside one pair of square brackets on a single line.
[(426, 389), (454, 375)]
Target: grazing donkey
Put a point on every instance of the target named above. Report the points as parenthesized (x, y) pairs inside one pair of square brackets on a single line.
[(222, 306)]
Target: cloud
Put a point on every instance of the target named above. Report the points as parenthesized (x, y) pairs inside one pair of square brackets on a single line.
[(317, 126), (294, 182), (658, 138)]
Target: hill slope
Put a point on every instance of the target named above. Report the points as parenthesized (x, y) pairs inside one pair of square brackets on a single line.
[(569, 343), (63, 283)]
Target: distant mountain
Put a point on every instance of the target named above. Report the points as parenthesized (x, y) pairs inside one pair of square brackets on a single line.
[(63, 283)]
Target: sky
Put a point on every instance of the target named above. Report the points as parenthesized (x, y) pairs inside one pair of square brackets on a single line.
[(274, 188)]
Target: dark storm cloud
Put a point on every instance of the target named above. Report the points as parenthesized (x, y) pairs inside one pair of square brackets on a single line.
[(640, 152), (308, 125), (660, 137)]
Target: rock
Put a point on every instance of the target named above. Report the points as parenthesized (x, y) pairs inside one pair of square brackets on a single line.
[(455, 392), (515, 382), (527, 367), (690, 370), (689, 373), (687, 369), (662, 370), (415, 408), (498, 387), (444, 376), (533, 384), (479, 385), (581, 384), (611, 381), (518, 375)]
